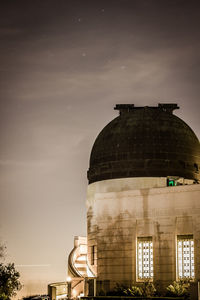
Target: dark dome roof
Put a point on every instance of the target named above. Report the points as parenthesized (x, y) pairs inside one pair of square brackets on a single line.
[(145, 142)]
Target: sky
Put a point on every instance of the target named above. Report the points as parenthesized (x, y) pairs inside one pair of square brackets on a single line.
[(64, 64)]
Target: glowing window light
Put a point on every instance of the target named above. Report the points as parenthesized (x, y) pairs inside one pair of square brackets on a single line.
[(185, 256), (144, 258)]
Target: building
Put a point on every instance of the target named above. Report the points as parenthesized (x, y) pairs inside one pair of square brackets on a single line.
[(143, 203), (79, 274), (143, 199)]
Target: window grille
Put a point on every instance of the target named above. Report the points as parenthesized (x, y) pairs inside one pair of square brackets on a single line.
[(185, 256), (144, 258)]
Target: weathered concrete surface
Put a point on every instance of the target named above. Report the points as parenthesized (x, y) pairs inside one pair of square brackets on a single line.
[(118, 214)]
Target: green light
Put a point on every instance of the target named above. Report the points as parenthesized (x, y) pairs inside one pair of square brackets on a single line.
[(171, 182)]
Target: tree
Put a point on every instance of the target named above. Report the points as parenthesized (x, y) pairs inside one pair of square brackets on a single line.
[(9, 281)]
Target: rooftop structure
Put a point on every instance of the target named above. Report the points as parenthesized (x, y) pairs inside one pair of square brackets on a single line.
[(145, 142)]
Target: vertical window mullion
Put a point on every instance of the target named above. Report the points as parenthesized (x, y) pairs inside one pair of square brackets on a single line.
[(182, 258), (190, 258), (142, 260), (149, 261)]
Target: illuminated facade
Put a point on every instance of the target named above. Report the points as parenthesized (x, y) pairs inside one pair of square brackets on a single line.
[(143, 207), (143, 203)]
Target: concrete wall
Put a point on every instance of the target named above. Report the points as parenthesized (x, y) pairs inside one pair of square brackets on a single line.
[(118, 213)]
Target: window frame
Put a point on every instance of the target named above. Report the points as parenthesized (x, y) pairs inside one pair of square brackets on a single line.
[(149, 240), (182, 239)]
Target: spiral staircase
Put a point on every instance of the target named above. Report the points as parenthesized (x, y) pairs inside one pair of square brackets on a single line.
[(78, 267)]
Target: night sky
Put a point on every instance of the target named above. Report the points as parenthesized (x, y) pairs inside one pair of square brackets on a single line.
[(64, 64)]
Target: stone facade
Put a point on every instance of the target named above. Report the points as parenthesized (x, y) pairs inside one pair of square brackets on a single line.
[(119, 211)]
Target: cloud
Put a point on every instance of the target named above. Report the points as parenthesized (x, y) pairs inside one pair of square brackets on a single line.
[(33, 266), (10, 31)]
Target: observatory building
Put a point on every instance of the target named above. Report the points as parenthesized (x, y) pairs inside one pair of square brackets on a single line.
[(143, 201)]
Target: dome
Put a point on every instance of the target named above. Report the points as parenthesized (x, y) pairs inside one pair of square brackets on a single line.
[(145, 142)]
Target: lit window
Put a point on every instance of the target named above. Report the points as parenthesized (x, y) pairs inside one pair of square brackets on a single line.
[(185, 256), (144, 258)]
